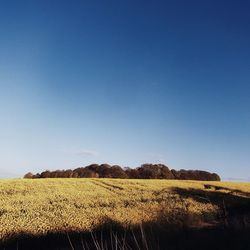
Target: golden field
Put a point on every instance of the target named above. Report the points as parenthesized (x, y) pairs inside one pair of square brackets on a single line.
[(41, 206)]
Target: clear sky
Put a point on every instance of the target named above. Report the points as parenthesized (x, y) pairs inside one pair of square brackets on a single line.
[(125, 82)]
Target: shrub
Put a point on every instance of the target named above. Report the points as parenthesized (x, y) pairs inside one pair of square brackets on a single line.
[(28, 176)]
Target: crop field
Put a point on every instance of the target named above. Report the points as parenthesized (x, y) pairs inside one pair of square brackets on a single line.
[(41, 206)]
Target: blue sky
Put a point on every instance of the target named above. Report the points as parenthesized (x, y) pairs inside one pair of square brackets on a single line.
[(125, 82)]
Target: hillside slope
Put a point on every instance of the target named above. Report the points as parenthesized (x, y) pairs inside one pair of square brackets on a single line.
[(41, 206)]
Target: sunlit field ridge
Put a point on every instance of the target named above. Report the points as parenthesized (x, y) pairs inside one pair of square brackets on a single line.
[(41, 206)]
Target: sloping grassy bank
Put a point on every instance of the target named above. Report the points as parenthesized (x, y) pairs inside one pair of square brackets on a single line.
[(68, 208)]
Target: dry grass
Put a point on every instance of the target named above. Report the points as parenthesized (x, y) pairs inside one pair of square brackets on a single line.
[(41, 206)]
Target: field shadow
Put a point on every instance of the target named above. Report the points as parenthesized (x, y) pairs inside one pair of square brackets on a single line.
[(232, 230), (148, 236), (234, 205)]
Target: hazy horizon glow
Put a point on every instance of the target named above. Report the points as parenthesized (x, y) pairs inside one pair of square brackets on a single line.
[(125, 83)]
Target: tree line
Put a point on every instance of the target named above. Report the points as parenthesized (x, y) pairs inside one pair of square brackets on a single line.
[(145, 171)]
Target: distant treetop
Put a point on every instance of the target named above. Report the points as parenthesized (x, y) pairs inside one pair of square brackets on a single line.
[(145, 171)]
